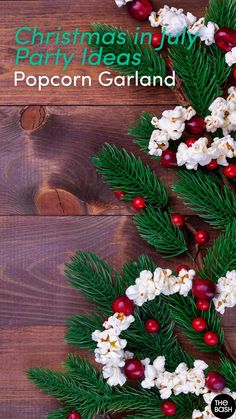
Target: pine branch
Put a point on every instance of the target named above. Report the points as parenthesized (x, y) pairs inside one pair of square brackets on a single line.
[(222, 256), (122, 170), (156, 228), (228, 370), (195, 69), (152, 64), (80, 330), (220, 68), (142, 130), (202, 193), (184, 311), (85, 271), (222, 12)]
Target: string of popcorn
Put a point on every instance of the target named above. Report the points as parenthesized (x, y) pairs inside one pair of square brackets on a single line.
[(110, 350), (174, 21), (171, 126)]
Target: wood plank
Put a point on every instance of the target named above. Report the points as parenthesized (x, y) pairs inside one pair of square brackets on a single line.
[(45, 159), (35, 299), (47, 15)]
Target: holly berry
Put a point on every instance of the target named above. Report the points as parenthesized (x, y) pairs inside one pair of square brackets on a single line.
[(168, 408), (119, 194), (168, 159), (203, 304), (196, 125), (183, 266), (215, 382), (190, 141), (225, 39), (202, 237), (133, 369), (152, 326), (74, 415), (204, 289), (123, 305), (178, 220), (199, 324), (139, 203), (211, 338), (140, 9), (234, 73), (230, 171), (212, 165), (156, 40)]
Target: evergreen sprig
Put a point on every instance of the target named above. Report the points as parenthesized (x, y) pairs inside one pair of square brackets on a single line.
[(228, 370), (199, 81), (156, 228), (152, 64), (142, 130), (93, 278), (184, 311), (222, 12), (122, 170), (222, 256), (202, 192), (80, 329)]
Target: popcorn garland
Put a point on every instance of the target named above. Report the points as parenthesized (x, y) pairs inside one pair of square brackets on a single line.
[(174, 22), (171, 126), (110, 351)]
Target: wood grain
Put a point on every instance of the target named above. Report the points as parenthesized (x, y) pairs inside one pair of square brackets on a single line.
[(47, 16), (45, 157)]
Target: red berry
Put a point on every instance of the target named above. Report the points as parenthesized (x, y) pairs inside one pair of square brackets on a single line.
[(74, 415), (140, 9), (190, 141), (211, 338), (139, 203), (119, 194), (123, 305), (212, 165), (196, 125), (133, 369), (202, 237), (168, 408), (156, 40), (168, 159), (204, 289), (199, 324), (230, 171), (225, 39), (178, 220), (215, 382), (183, 266), (152, 326), (203, 304), (234, 73)]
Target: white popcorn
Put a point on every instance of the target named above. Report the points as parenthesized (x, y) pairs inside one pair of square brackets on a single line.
[(221, 148), (159, 142), (121, 3), (225, 292), (184, 282), (195, 155), (207, 413), (230, 57), (205, 32), (143, 290), (173, 20), (223, 113), (118, 322), (114, 375)]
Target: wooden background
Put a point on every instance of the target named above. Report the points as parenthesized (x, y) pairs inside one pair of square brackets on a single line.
[(52, 202)]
